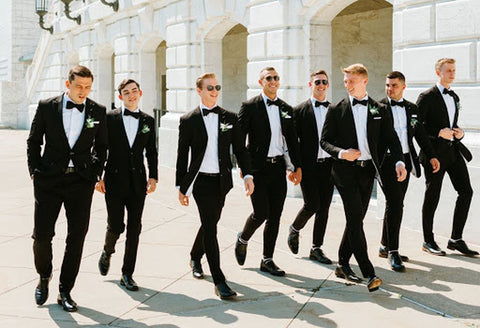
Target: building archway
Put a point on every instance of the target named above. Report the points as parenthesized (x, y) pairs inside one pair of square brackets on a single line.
[(105, 75), (346, 32)]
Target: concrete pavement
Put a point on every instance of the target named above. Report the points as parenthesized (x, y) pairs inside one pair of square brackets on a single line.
[(439, 292)]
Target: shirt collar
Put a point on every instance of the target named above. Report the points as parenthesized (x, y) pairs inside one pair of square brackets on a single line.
[(390, 100), (67, 98), (124, 109), (202, 106), (265, 98), (351, 98), (441, 87)]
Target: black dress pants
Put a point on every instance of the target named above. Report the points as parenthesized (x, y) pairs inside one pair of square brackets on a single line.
[(75, 193), (267, 200), (210, 201)]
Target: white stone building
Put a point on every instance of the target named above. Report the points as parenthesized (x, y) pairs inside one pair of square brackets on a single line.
[(166, 44)]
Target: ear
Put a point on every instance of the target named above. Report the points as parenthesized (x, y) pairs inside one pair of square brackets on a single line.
[(309, 84), (120, 97), (140, 93), (260, 82), (67, 84)]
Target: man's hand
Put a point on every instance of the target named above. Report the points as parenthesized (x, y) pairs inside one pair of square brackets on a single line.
[(401, 172), (446, 133), (182, 198), (295, 177), (458, 133), (100, 186), (249, 186), (351, 154), (435, 163), (151, 185)]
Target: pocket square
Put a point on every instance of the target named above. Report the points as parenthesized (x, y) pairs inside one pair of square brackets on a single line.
[(377, 118)]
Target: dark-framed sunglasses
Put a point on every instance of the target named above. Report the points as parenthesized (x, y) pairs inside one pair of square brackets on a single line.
[(317, 82), (217, 87), (270, 78)]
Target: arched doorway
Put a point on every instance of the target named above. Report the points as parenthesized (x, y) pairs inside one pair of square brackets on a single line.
[(105, 83)]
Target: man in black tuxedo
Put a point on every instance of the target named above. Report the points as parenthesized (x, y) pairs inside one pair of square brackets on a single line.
[(75, 133), (439, 108), (131, 133), (353, 133), (207, 133), (407, 125), (267, 123), (317, 184)]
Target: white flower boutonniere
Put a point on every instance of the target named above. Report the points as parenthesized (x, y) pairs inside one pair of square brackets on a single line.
[(457, 104), (145, 129), (413, 122), (90, 122), (224, 127), (373, 110), (285, 115)]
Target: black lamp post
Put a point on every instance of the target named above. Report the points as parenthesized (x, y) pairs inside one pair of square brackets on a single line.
[(41, 7), (78, 19), (114, 4)]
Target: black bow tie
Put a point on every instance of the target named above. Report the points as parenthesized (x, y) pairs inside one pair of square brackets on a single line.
[(273, 102), (71, 105), (363, 102), (206, 111), (397, 103), (321, 103), (130, 113), (450, 92)]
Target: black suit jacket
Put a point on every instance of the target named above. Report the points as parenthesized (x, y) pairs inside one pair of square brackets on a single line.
[(414, 129), (434, 116), (307, 132), (89, 152), (192, 138), (124, 162), (339, 132), (253, 119)]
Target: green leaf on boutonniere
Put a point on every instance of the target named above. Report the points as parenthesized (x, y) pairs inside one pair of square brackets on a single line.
[(457, 104), (413, 122), (89, 122), (145, 128), (285, 114), (224, 127)]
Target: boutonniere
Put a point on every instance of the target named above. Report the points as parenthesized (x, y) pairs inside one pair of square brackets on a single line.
[(145, 129), (413, 122), (90, 122), (373, 110), (457, 104), (285, 114), (224, 127)]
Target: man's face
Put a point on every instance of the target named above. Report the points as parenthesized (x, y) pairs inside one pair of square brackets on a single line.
[(270, 82), (209, 98), (356, 84), (446, 73), (394, 88), (318, 86), (79, 88), (130, 95)]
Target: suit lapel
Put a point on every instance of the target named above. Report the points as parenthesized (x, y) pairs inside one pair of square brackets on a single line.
[(88, 114), (444, 111), (141, 122), (59, 113), (310, 115), (197, 114), (121, 128), (348, 113)]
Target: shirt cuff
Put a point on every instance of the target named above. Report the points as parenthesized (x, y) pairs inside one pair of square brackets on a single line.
[(247, 176), (398, 163)]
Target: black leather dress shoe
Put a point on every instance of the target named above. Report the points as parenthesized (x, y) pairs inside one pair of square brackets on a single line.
[(345, 272), (432, 248), (383, 252), (462, 247), (240, 250), (396, 262), (104, 263), (316, 254), (270, 267), (197, 271), (374, 283), (128, 282), (224, 292), (293, 240), (41, 291), (65, 300)]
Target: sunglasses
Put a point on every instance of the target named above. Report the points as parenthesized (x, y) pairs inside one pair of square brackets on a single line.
[(216, 87), (317, 82), (270, 78)]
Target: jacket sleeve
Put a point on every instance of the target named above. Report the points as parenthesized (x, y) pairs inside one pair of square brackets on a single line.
[(239, 149), (421, 136), (151, 151), (182, 153), (35, 139), (329, 133), (100, 146), (390, 136)]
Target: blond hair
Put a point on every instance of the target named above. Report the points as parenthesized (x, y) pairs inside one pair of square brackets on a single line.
[(204, 76), (358, 69), (442, 61)]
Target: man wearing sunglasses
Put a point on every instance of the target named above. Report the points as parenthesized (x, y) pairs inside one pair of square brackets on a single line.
[(206, 134), (267, 123), (354, 132), (317, 184)]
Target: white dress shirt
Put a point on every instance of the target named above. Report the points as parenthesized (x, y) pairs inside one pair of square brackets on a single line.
[(449, 102), (360, 116), (400, 125), (131, 125), (210, 158), (320, 113), (73, 121), (276, 147)]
